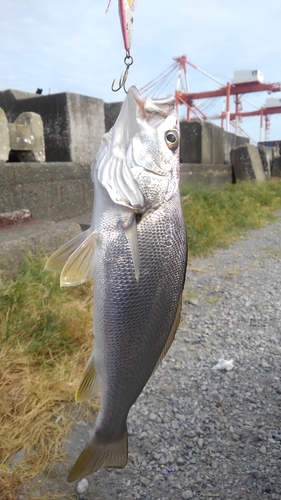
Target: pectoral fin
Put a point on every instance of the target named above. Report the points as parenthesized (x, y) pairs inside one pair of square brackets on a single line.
[(80, 265), (90, 383), (59, 258), (98, 454), (130, 230)]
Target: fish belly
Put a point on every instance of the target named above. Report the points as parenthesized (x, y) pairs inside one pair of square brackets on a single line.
[(133, 320)]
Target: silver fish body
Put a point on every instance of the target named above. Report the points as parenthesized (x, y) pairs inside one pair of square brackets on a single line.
[(136, 250)]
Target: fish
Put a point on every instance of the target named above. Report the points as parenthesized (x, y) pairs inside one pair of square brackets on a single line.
[(136, 251)]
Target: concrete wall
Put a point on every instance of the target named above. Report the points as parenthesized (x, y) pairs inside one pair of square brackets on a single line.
[(51, 191), (58, 191), (214, 176)]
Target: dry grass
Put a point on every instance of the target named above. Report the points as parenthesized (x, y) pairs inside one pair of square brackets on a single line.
[(46, 339)]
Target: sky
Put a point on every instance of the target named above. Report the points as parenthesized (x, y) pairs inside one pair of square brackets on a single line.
[(74, 46)]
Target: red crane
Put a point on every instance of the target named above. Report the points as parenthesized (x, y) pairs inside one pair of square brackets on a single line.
[(229, 89), (262, 112)]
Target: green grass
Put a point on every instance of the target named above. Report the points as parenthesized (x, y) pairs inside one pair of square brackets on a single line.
[(216, 218), (37, 313)]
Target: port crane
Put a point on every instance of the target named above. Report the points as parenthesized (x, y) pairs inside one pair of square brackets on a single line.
[(237, 88)]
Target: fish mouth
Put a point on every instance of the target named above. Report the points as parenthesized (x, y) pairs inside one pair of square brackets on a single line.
[(150, 108)]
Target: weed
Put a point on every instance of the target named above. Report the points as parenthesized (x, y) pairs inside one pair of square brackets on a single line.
[(216, 218)]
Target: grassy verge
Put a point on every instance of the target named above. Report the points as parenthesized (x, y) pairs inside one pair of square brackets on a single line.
[(45, 339), (45, 332), (216, 218)]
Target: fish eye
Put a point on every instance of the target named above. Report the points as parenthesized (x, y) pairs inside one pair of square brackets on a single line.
[(172, 139)]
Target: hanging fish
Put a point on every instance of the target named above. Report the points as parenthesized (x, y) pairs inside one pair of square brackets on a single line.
[(136, 250)]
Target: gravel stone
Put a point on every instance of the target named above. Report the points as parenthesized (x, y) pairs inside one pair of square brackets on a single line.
[(187, 494), (200, 442), (192, 422)]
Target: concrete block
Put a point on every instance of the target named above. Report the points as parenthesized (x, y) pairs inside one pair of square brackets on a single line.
[(111, 112), (247, 163), (214, 176), (276, 167), (53, 191), (201, 142), (266, 156), (73, 123), (212, 144), (190, 142), (86, 119), (27, 137), (4, 137), (9, 97), (232, 141)]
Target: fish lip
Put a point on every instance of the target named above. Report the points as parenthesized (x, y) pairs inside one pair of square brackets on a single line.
[(170, 99), (151, 107)]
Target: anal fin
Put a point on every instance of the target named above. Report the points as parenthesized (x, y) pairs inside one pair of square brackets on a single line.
[(98, 454)]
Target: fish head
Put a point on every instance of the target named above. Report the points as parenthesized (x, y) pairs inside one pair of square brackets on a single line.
[(138, 159), (155, 148)]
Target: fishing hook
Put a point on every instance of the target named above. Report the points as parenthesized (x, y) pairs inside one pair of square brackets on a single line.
[(128, 60)]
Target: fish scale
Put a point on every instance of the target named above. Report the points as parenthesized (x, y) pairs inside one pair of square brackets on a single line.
[(123, 332), (136, 250)]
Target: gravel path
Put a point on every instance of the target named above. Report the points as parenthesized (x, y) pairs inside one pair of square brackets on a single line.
[(199, 433)]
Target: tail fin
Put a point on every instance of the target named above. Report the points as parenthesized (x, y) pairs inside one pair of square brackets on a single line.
[(98, 454)]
